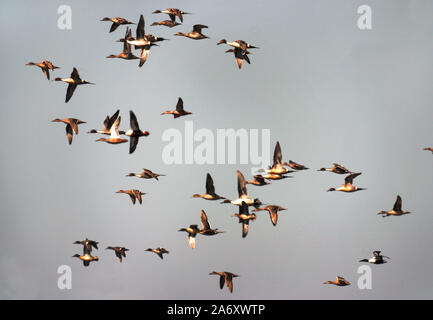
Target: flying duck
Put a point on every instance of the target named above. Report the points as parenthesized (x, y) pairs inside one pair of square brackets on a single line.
[(119, 252), (429, 149), (258, 180), (336, 168), (348, 186), (295, 166), (225, 277), (192, 231), (73, 82), (339, 281), (133, 194), (87, 245), (117, 21), (275, 176), (114, 134), (146, 174), (240, 56), (86, 258), (206, 229), (243, 193), (273, 212), (126, 52), (45, 66), (244, 218), (167, 23), (195, 34), (210, 190), (179, 112), (71, 126), (134, 132), (277, 166), (173, 13), (376, 259), (238, 44), (108, 122), (396, 210), (159, 251)]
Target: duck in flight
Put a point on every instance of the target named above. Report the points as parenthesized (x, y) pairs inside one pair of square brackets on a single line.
[(206, 229), (87, 245), (273, 212), (227, 278), (114, 134), (192, 231), (134, 194), (240, 56), (238, 44), (119, 252), (396, 210), (126, 52), (277, 166), (108, 122), (179, 112), (210, 190), (173, 13), (195, 34), (72, 82), (336, 168), (258, 180), (428, 149), (243, 193), (377, 258), (159, 251), (117, 21), (134, 133), (244, 217), (45, 66), (86, 258), (339, 281), (295, 166), (71, 126), (167, 23), (146, 174), (348, 186)]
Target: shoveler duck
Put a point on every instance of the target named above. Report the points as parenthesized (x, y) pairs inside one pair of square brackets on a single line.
[(348, 186), (108, 122), (273, 212), (336, 168), (195, 34), (295, 166), (238, 44), (227, 278), (339, 281), (243, 193), (134, 133), (179, 112), (126, 52), (206, 229), (86, 258), (210, 190), (87, 245), (173, 13), (71, 126), (244, 218), (117, 21), (167, 23), (72, 82), (240, 56), (119, 252), (277, 166), (258, 180), (45, 66), (376, 259), (396, 210), (146, 174), (192, 231), (133, 194), (429, 149), (159, 251), (114, 134)]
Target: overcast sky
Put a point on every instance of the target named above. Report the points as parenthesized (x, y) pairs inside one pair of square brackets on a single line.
[(328, 91)]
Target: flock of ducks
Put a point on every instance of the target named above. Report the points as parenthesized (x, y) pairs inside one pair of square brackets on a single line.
[(278, 171)]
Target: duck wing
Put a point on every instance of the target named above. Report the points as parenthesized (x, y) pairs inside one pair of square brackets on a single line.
[(70, 91), (140, 28), (350, 177), (114, 130), (204, 221), (277, 154), (69, 133), (133, 121), (75, 75), (109, 121), (114, 26), (229, 282), (397, 204), (210, 188), (179, 105), (242, 189), (133, 142), (197, 27), (222, 281)]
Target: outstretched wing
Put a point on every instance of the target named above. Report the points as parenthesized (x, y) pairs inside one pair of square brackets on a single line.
[(350, 177), (69, 133), (397, 204), (133, 121), (277, 154), (133, 141), (140, 28), (204, 221), (198, 27), (210, 188), (114, 130), (70, 91), (179, 105), (242, 189)]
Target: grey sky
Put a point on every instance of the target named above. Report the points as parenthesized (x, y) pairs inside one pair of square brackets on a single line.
[(328, 91)]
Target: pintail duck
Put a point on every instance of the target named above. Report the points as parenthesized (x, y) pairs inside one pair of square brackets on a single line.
[(133, 194), (376, 259), (173, 13), (273, 212), (258, 180), (73, 82), (192, 231), (87, 245), (206, 229), (275, 176), (108, 122), (243, 193), (210, 190), (45, 65), (240, 56), (336, 168), (396, 210), (159, 251), (195, 34), (295, 166), (86, 258), (114, 134), (141, 42), (429, 149), (238, 44), (146, 174), (339, 281), (71, 126), (126, 52), (244, 218), (225, 277), (119, 252), (277, 166), (348, 186), (117, 21), (167, 23), (134, 132), (179, 112)]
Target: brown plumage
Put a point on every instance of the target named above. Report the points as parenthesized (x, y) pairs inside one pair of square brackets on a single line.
[(396, 210), (159, 251), (45, 66), (339, 281), (119, 252), (225, 277), (210, 190), (206, 229), (117, 21), (134, 194), (195, 34), (179, 112), (192, 231), (71, 126), (273, 212)]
